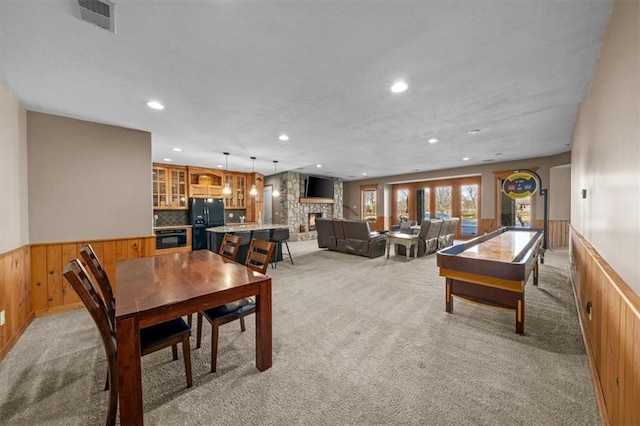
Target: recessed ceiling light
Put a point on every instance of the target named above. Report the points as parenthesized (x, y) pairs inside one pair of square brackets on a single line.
[(166, 159), (465, 159), (499, 153), (283, 137), (474, 131), (364, 173), (488, 160), (399, 87), (155, 105), (433, 140), (219, 166), (177, 149), (318, 165)]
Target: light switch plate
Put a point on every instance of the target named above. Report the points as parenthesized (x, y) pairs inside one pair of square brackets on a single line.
[(2, 318)]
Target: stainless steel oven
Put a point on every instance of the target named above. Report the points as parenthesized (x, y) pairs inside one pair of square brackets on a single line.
[(170, 238)]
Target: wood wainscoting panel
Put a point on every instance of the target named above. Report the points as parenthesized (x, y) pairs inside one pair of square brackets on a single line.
[(609, 313), (50, 293), (15, 296)]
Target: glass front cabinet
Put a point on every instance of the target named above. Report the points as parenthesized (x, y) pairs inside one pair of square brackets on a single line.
[(237, 183), (169, 187)]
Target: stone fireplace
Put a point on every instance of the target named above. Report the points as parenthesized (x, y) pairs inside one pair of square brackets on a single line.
[(296, 212), (311, 220)]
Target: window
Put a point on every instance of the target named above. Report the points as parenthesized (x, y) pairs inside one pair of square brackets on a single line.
[(426, 203), (369, 203), (439, 199), (402, 204), (469, 209), (443, 202)]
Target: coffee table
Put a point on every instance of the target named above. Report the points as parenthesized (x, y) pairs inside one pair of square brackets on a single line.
[(407, 240)]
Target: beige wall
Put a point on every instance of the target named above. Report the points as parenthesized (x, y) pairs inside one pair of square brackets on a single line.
[(14, 213), (606, 149), (488, 186), (559, 198), (87, 180)]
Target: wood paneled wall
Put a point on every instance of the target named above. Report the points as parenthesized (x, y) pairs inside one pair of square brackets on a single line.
[(609, 314), (50, 293), (15, 296)]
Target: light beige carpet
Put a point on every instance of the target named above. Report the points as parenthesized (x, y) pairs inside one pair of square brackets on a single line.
[(357, 341)]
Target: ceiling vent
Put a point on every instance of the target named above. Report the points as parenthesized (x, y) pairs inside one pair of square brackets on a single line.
[(98, 12)]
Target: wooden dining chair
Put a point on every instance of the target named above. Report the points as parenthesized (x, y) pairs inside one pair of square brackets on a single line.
[(229, 246), (152, 338), (79, 280), (258, 257)]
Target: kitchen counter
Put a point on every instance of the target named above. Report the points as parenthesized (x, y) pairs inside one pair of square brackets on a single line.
[(252, 226), (216, 234), (157, 228)]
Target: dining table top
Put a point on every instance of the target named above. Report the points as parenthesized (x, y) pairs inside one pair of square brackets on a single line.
[(148, 283)]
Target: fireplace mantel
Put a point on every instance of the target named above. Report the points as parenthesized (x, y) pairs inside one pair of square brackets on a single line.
[(317, 200)]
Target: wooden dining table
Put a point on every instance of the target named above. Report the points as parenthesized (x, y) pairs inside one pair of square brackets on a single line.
[(155, 289)]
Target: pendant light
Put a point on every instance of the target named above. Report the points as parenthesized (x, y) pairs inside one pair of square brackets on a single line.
[(275, 192), (227, 188), (254, 190)]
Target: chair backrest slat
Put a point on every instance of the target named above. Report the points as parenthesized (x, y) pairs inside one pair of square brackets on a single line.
[(259, 255)]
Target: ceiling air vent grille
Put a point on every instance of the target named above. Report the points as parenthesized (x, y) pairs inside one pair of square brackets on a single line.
[(98, 12)]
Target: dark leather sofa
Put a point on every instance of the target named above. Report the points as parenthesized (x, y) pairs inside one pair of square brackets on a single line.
[(447, 232), (434, 235), (350, 236)]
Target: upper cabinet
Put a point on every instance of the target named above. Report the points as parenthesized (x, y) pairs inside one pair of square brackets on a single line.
[(169, 187), (205, 183), (238, 184), (172, 185)]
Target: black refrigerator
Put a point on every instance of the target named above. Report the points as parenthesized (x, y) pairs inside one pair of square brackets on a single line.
[(204, 213)]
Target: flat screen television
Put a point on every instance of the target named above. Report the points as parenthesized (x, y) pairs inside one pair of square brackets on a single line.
[(318, 187)]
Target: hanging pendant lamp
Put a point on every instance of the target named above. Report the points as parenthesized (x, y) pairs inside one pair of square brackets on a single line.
[(254, 190), (227, 188), (275, 192)]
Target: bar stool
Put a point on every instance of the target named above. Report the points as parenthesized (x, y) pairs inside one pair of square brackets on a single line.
[(244, 245), (261, 234), (281, 235)]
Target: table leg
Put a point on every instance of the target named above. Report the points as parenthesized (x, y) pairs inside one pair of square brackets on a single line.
[(520, 317), (535, 272), (129, 371), (448, 299), (263, 327), (388, 247), (407, 249)]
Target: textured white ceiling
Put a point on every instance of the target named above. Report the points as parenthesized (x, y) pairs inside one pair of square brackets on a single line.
[(233, 75)]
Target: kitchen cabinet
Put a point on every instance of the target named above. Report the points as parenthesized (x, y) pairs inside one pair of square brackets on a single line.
[(237, 199), (169, 187), (205, 183)]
